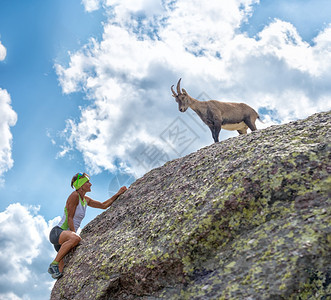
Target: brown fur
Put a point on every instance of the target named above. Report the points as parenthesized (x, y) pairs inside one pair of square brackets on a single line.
[(216, 114)]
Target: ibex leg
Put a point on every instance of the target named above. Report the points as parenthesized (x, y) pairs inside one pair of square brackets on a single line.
[(215, 131), (250, 124)]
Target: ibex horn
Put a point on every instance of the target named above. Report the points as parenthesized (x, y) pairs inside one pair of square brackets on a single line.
[(178, 86), (172, 89)]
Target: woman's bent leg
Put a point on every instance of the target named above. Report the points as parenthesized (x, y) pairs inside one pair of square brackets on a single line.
[(68, 240)]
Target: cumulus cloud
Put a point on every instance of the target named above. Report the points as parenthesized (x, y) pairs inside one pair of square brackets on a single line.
[(91, 5), (3, 52), (25, 253), (8, 118), (130, 120)]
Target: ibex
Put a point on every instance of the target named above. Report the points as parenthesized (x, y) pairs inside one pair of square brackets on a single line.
[(217, 114)]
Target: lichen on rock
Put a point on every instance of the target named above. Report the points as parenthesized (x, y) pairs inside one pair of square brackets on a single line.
[(246, 218)]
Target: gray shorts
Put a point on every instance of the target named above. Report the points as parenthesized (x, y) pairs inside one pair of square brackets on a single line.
[(54, 236)]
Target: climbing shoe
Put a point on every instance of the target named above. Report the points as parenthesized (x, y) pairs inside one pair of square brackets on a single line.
[(54, 271)]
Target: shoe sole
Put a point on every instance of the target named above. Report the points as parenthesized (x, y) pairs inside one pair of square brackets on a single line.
[(54, 276)]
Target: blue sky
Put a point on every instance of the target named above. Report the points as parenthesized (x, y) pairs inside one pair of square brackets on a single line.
[(85, 86)]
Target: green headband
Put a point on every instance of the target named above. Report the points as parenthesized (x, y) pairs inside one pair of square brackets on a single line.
[(80, 181)]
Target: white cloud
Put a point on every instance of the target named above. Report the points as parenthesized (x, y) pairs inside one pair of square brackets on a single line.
[(25, 253), (8, 118), (145, 49), (3, 52), (91, 5)]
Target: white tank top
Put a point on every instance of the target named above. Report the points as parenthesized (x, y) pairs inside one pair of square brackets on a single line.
[(78, 217)]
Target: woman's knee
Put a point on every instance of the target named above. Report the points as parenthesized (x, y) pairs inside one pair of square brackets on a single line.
[(76, 239), (69, 236)]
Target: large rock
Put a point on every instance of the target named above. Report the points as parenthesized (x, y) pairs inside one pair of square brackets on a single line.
[(247, 218)]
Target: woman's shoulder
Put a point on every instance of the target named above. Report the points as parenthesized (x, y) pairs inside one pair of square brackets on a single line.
[(73, 198)]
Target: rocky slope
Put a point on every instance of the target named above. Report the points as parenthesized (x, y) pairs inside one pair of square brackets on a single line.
[(246, 218)]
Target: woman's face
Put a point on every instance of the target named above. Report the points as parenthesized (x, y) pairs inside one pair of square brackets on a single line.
[(87, 186)]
